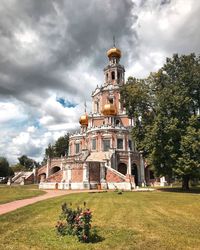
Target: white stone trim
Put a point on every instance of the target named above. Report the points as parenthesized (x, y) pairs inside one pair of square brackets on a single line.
[(119, 185)]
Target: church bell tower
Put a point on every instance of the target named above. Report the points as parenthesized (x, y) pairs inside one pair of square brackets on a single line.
[(114, 72)]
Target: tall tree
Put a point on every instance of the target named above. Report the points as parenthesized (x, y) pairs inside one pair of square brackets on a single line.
[(60, 148), (136, 98), (5, 169), (27, 162), (188, 164), (171, 97), (49, 151)]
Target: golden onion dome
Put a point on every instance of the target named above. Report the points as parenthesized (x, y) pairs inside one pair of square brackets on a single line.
[(114, 52), (109, 109), (84, 120)]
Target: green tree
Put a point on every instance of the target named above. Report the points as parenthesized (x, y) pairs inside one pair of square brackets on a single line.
[(188, 164), (170, 97), (27, 162), (60, 148), (18, 167), (136, 98), (5, 169), (49, 152)]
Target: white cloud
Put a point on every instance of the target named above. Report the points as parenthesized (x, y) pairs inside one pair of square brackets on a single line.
[(162, 31), (54, 50), (10, 112), (31, 129)]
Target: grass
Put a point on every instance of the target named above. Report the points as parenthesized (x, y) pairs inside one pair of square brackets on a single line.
[(11, 193), (145, 220)]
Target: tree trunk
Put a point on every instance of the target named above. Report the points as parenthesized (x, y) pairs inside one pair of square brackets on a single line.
[(185, 182)]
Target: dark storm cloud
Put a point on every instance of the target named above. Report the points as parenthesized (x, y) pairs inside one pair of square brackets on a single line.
[(67, 34)]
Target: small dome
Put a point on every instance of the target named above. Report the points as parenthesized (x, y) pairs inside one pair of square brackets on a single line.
[(114, 52), (109, 109), (84, 120)]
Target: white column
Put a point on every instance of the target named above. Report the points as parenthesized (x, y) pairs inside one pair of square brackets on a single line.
[(61, 164), (85, 172), (119, 103), (64, 175), (48, 166), (86, 184), (69, 174), (102, 176), (102, 172), (142, 176), (129, 162)]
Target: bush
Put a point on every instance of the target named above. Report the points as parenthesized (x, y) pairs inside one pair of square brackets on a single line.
[(75, 222)]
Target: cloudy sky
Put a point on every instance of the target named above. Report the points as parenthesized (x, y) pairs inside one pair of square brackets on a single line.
[(52, 54)]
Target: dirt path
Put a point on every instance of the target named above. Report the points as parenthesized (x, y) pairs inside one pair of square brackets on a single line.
[(11, 206)]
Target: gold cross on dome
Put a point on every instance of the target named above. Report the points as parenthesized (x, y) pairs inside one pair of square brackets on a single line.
[(113, 41)]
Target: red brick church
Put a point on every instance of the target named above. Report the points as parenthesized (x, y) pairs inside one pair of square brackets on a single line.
[(102, 154)]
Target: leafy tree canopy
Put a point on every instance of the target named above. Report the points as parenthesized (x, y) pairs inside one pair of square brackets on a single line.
[(5, 169), (59, 148), (165, 108), (26, 163)]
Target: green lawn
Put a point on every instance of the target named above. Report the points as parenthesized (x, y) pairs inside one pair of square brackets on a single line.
[(12, 193), (133, 220)]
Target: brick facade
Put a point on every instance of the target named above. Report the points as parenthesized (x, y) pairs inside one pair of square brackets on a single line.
[(77, 175), (112, 177), (94, 173), (56, 177)]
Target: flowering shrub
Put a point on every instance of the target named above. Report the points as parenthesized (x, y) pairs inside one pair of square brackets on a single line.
[(75, 222)]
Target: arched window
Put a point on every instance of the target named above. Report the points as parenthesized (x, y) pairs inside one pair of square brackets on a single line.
[(107, 76), (117, 122), (118, 76), (97, 106), (110, 99), (113, 75)]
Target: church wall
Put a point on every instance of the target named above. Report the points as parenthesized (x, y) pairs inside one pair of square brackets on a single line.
[(125, 121), (72, 143), (104, 99), (77, 174), (100, 142), (98, 122), (94, 172), (57, 177), (116, 98)]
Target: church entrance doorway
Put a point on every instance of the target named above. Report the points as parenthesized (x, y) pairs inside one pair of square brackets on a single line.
[(94, 174), (134, 171), (122, 168)]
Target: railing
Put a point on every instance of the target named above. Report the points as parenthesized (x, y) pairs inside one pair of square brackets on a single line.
[(116, 172), (41, 169), (53, 175), (134, 155), (18, 175)]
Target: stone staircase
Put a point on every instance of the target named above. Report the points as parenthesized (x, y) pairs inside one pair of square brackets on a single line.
[(115, 179), (56, 177), (21, 176), (114, 171)]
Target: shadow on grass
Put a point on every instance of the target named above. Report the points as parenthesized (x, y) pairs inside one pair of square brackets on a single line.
[(193, 190), (95, 238)]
